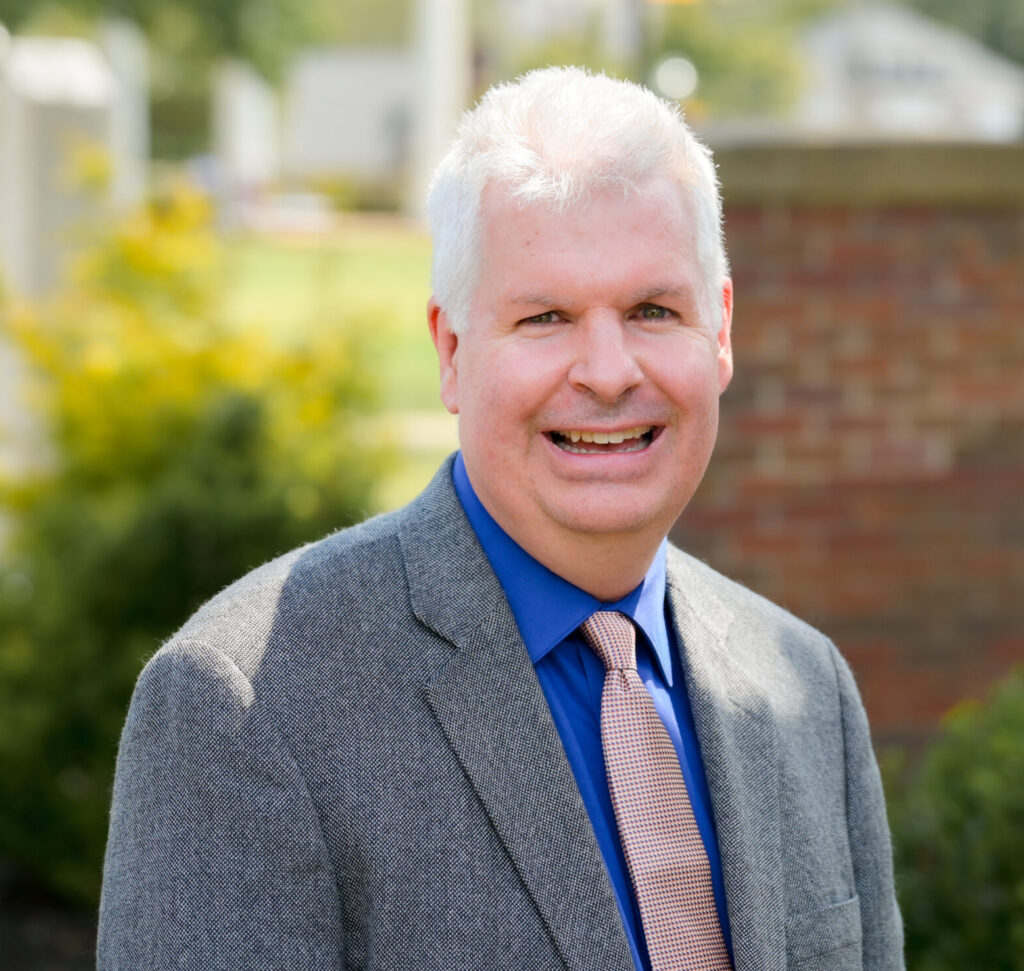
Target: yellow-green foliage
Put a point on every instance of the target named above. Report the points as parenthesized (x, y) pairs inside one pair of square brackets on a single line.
[(180, 452)]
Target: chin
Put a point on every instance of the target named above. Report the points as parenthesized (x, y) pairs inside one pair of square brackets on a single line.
[(612, 519)]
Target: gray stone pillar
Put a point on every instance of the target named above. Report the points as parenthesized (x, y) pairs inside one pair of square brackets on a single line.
[(623, 31), (246, 135), (443, 56), (125, 46), (55, 94)]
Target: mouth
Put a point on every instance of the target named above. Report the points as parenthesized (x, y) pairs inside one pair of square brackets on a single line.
[(583, 442)]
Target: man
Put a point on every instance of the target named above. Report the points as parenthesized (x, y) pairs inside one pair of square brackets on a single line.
[(508, 726)]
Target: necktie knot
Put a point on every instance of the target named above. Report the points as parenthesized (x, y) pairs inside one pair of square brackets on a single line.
[(613, 638)]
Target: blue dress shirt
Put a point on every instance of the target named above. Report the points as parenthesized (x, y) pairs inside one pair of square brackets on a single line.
[(548, 610)]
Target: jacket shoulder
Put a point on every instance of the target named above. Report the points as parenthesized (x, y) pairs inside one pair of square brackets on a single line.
[(299, 589), (788, 657), (730, 602)]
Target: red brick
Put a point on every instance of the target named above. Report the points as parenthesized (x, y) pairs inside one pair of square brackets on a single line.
[(870, 470)]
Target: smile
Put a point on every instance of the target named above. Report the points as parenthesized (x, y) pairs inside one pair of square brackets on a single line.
[(601, 443)]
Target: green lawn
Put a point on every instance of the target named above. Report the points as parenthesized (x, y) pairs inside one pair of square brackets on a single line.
[(374, 274), (371, 274)]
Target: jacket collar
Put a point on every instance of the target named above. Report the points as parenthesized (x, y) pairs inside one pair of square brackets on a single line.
[(739, 746), (487, 700), (489, 704)]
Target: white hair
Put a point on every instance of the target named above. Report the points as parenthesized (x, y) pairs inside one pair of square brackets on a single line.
[(557, 137)]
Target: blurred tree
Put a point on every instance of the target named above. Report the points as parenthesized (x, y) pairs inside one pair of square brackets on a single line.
[(581, 47), (998, 24), (184, 453), (744, 51), (958, 833), (263, 32)]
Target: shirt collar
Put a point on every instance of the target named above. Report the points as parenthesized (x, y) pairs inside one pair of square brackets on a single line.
[(547, 607)]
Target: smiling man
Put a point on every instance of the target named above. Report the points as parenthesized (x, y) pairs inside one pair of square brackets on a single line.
[(587, 383), (509, 726)]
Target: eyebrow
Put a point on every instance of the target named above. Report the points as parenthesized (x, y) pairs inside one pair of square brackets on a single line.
[(532, 298), (643, 296), (656, 293)]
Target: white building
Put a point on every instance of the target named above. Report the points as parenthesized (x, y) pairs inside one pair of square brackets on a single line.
[(378, 115), (349, 110), (879, 70)]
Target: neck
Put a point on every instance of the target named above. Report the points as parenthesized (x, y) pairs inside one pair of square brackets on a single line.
[(607, 566)]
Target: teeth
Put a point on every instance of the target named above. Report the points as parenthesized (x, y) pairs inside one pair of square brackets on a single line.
[(605, 438)]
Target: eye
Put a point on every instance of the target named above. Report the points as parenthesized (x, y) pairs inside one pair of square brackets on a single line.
[(651, 311), (548, 317)]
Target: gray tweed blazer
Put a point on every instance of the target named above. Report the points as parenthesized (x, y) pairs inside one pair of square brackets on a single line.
[(345, 761)]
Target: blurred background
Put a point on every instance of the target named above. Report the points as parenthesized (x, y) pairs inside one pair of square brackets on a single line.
[(213, 348)]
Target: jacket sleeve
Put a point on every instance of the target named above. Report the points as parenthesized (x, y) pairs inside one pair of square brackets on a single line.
[(215, 857), (870, 845)]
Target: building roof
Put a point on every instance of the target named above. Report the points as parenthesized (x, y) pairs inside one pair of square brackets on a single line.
[(58, 70)]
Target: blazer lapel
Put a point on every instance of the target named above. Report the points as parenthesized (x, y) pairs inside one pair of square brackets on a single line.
[(739, 747), (491, 708)]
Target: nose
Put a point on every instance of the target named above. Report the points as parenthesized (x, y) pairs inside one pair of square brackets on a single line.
[(605, 364)]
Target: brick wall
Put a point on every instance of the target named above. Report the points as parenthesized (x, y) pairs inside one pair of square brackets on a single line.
[(870, 469)]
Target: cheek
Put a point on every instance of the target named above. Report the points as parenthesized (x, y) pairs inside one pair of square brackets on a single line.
[(516, 385), (689, 381), (493, 414)]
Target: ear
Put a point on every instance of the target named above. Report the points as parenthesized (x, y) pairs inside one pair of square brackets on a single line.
[(446, 342), (725, 338)]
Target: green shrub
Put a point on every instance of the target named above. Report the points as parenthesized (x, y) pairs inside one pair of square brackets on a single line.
[(182, 453), (958, 829)]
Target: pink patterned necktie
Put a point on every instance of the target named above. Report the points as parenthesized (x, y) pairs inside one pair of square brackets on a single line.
[(664, 851)]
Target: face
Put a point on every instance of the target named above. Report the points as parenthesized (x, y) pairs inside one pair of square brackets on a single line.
[(587, 380)]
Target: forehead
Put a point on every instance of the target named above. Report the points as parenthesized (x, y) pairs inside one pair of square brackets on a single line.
[(613, 240)]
